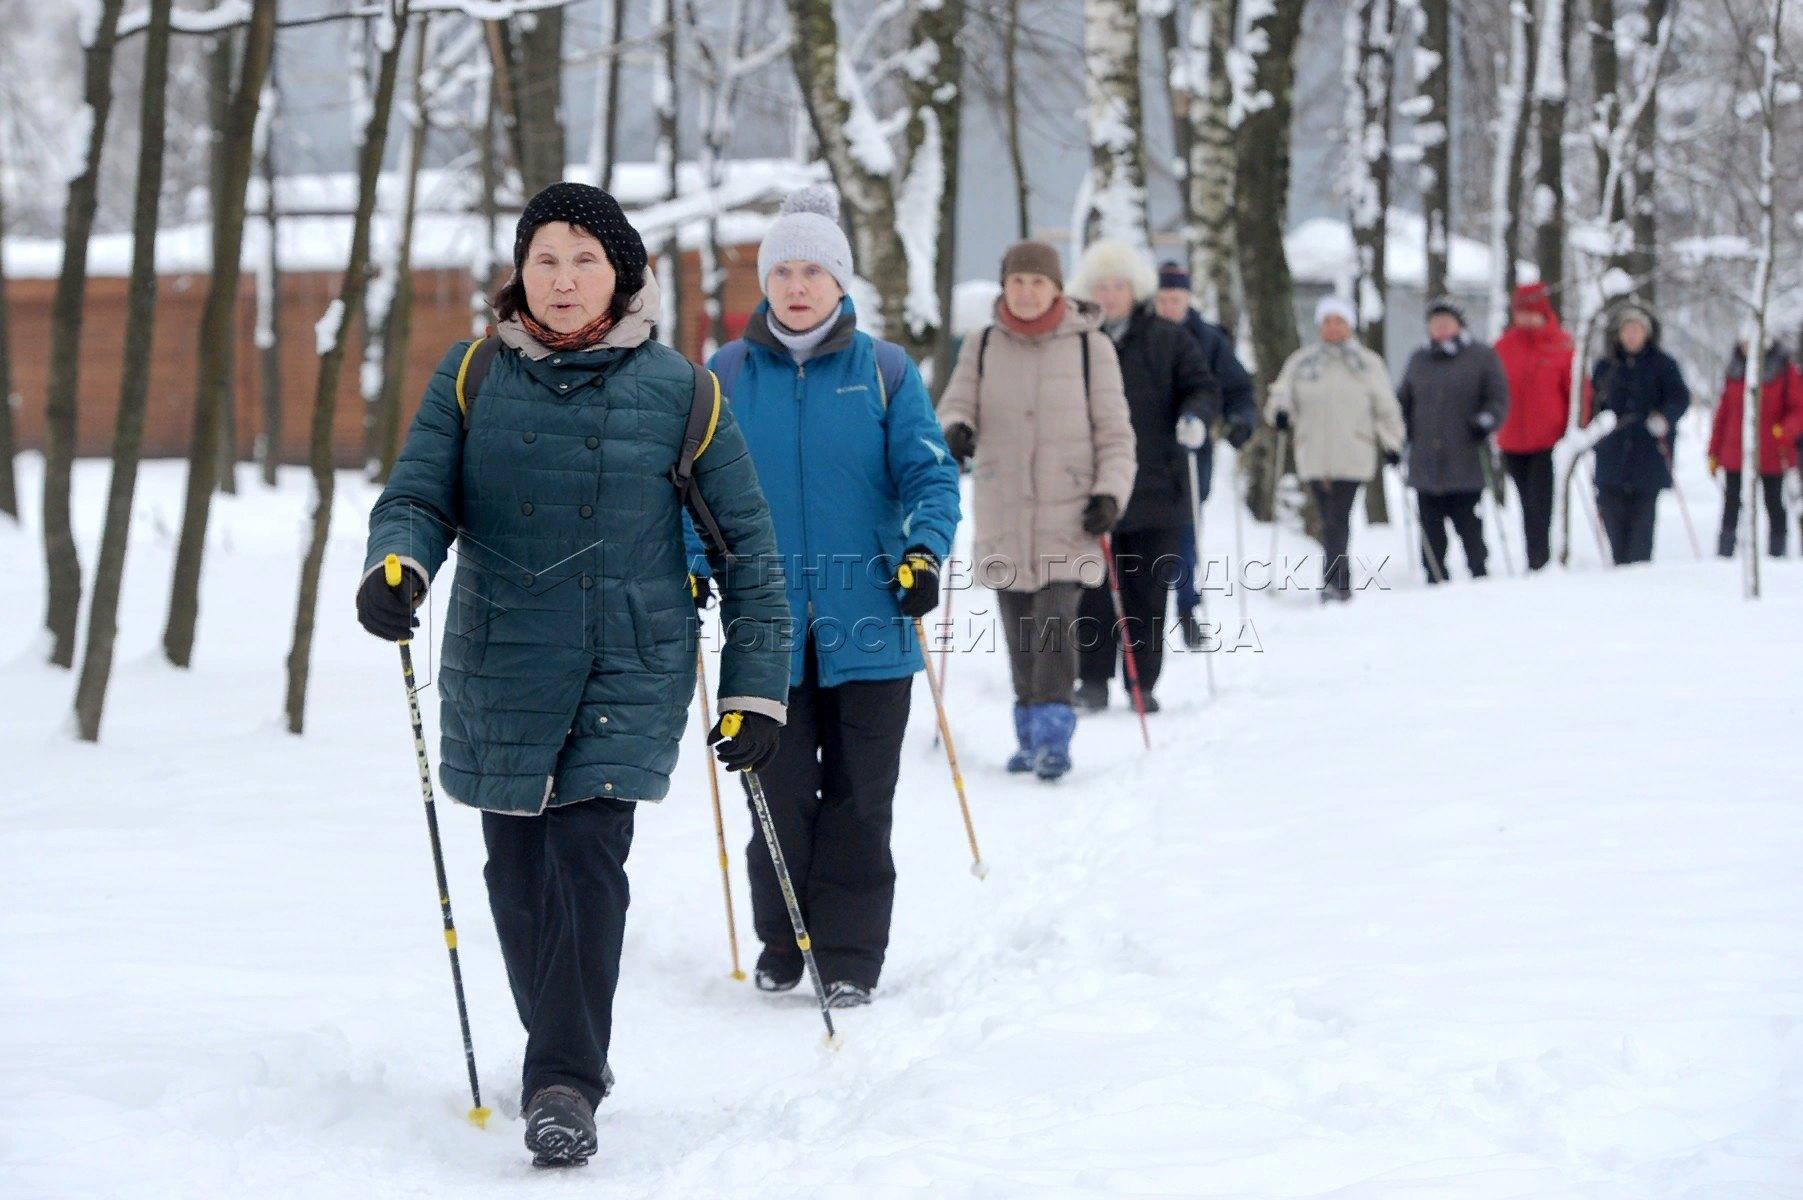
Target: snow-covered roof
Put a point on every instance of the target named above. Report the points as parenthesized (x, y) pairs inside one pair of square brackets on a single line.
[(445, 231), (1321, 252)]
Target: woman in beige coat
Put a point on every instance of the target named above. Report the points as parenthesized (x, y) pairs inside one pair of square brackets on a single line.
[(1335, 396), (1036, 400)]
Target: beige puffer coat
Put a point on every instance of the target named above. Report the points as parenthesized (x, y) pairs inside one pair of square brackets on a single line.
[(1342, 409), (1045, 445)]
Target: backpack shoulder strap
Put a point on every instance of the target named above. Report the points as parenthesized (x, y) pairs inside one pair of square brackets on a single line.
[(983, 349), (891, 369), (697, 435), (473, 370), (1083, 341)]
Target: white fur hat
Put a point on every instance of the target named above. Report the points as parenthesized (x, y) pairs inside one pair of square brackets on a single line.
[(1335, 306), (1109, 259), (806, 229)]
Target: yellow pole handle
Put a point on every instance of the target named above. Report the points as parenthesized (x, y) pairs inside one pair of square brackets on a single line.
[(391, 570), (730, 723), (904, 575)]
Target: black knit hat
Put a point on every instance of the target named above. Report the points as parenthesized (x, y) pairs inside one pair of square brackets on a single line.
[(1449, 306), (1173, 275), (590, 208)]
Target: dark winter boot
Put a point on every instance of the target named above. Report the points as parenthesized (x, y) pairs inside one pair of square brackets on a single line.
[(560, 1127), (1021, 761), (1192, 631), (846, 994), (779, 969), (1092, 695), (1056, 724)]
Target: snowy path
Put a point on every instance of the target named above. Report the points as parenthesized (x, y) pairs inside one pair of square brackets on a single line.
[(1491, 892)]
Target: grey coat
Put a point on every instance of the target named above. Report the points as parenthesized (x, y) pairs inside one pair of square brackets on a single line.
[(1441, 396)]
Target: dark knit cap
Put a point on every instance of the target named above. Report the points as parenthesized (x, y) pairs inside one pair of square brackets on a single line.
[(1447, 305), (1172, 275), (1033, 258), (590, 208)]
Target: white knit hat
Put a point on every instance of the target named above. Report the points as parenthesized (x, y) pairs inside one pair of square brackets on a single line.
[(1335, 306), (806, 229)]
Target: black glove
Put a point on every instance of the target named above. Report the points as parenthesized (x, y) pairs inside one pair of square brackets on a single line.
[(1392, 458), (1483, 425), (752, 744), (1239, 433), (1281, 421), (918, 578), (961, 440), (1100, 514), (701, 588), (387, 612)]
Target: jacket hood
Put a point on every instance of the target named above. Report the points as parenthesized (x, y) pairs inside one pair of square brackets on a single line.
[(632, 330), (1080, 316), (1633, 308), (1532, 297), (1109, 259)]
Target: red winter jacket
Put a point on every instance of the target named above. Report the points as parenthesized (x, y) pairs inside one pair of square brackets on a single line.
[(1780, 404), (1538, 364)]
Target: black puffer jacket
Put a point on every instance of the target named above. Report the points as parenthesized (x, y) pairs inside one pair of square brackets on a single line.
[(1635, 386), (1165, 377)]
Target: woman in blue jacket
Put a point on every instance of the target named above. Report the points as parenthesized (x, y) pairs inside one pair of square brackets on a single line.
[(1643, 386), (859, 482)]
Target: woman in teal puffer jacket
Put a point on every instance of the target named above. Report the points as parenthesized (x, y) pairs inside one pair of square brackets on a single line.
[(569, 649)]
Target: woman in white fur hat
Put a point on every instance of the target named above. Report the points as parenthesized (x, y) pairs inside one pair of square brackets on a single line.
[(860, 484), (1335, 398)]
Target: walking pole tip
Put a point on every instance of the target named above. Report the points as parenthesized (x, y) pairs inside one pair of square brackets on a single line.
[(479, 1117), (738, 976), (980, 869)]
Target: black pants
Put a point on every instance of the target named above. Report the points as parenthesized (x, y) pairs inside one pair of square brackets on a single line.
[(1627, 515), (1533, 476), (1772, 487), (1042, 653), (557, 888), (1146, 563), (1460, 508), (831, 789), (1333, 500)]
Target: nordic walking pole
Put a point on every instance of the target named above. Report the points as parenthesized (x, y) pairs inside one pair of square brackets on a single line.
[(1276, 479), (1408, 521), (945, 651), (977, 866), (713, 788), (1690, 529), (478, 1115), (730, 723), (1237, 576), (1496, 515), (1120, 625), (1436, 568), (1195, 491)]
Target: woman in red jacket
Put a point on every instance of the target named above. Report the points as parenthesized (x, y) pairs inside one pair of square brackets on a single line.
[(1780, 426), (1536, 354)]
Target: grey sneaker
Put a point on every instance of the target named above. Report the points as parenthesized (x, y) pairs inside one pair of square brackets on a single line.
[(846, 994), (560, 1127)]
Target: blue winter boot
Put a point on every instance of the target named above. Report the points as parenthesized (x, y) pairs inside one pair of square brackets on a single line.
[(1055, 724), (1021, 761)]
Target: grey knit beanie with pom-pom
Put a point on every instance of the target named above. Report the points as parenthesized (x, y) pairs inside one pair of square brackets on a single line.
[(806, 229)]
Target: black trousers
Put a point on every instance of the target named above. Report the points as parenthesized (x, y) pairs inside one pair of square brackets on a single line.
[(1533, 476), (557, 888), (1772, 490), (1333, 500), (1146, 563), (831, 789), (1627, 515), (1459, 508), (1042, 653)]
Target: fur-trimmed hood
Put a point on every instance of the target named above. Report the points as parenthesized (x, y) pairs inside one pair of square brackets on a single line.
[(1110, 259)]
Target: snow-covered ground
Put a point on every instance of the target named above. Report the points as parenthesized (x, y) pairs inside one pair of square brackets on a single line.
[(1491, 891)]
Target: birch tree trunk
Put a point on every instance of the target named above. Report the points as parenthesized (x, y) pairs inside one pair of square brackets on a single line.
[(397, 332), (1117, 162), (1213, 162), (928, 204), (1511, 146), (529, 50), (339, 318), (1643, 212), (1433, 135), (1551, 59), (1605, 113), (1262, 139), (663, 101), (1017, 159), (215, 336), (128, 430), (1370, 41), (269, 289), (1177, 89), (1762, 299), (862, 164), (62, 568), (9, 493), (221, 57)]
